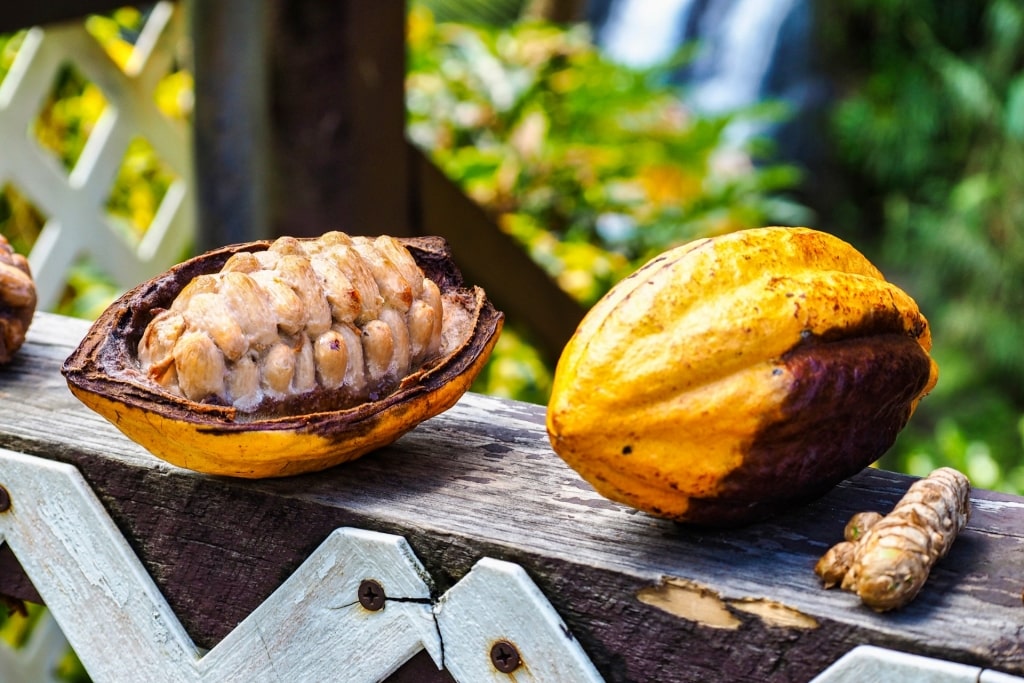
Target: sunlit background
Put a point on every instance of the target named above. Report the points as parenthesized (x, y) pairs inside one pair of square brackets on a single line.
[(597, 143), (897, 125)]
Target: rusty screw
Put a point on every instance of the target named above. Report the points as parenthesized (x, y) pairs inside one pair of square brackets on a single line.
[(371, 595), (505, 657), (5, 500)]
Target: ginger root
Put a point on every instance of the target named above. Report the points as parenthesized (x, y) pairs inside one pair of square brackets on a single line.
[(886, 560)]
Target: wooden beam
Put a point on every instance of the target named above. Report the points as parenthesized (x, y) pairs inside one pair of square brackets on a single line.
[(492, 259), (558, 11), (300, 119), (646, 598)]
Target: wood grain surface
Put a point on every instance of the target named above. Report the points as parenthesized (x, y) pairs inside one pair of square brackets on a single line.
[(649, 600)]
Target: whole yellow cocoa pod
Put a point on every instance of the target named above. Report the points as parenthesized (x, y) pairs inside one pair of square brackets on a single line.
[(739, 375)]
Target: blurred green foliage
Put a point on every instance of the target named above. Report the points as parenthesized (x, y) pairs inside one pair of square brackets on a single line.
[(593, 167), (929, 139), (551, 137), (16, 627), (492, 12)]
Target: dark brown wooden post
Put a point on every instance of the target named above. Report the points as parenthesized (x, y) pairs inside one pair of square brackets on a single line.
[(231, 123), (337, 108), (300, 118), (340, 160)]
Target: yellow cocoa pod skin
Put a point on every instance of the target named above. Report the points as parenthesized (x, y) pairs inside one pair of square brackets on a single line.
[(253, 404), (739, 375)]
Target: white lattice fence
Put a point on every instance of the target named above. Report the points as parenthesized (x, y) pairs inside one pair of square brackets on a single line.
[(78, 223)]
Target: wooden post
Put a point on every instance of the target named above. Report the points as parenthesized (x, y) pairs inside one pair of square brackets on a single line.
[(232, 126), (337, 105)]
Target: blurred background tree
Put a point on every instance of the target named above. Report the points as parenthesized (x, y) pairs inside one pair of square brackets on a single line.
[(594, 167), (927, 134)]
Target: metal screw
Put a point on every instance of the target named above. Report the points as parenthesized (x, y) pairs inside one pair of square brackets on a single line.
[(505, 657), (5, 500), (371, 595)]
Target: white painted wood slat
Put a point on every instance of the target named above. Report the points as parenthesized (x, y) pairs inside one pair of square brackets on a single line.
[(313, 626), (74, 203), (881, 665)]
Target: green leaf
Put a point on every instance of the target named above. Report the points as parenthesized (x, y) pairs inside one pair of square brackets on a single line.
[(1014, 114)]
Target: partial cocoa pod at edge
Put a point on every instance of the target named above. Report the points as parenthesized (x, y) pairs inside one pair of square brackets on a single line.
[(736, 376), (309, 421), (17, 300)]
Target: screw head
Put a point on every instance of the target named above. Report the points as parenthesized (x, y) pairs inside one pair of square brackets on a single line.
[(371, 595), (505, 657), (5, 500)]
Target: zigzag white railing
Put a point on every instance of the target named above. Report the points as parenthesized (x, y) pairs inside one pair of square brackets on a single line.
[(38, 660), (310, 629), (77, 222)]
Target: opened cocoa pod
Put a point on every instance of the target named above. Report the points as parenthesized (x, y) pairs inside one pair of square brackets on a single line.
[(277, 358)]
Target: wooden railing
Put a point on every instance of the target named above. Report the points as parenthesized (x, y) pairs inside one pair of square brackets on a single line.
[(636, 598)]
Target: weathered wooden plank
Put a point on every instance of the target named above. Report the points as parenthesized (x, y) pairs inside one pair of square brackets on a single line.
[(481, 480)]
